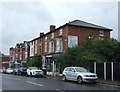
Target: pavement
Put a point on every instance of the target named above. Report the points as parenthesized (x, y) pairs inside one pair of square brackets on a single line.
[(108, 82)]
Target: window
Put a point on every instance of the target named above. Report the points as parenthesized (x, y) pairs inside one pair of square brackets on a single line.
[(72, 70), (31, 43), (45, 38), (59, 44), (45, 46), (51, 46), (16, 56), (36, 42), (101, 33), (25, 55), (35, 49), (60, 32), (52, 35), (67, 69), (20, 56)]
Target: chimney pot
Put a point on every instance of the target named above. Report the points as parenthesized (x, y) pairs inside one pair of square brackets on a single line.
[(52, 27), (41, 34)]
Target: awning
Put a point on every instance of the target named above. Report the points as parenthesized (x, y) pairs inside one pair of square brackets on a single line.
[(23, 62)]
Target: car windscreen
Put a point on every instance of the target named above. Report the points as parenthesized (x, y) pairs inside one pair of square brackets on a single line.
[(33, 68), (10, 69), (80, 69)]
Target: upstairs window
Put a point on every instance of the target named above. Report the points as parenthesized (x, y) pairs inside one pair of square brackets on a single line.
[(45, 38), (16, 56), (36, 42), (52, 35), (20, 56), (45, 46), (51, 46), (58, 44), (60, 32), (101, 33)]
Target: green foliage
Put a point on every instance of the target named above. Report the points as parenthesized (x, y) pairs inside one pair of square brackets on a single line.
[(35, 61), (108, 48), (116, 52), (100, 51)]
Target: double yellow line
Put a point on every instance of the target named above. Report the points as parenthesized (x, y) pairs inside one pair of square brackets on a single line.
[(105, 84)]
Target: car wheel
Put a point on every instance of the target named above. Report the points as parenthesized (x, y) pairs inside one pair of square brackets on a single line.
[(30, 74), (64, 78), (79, 80), (27, 75), (41, 76)]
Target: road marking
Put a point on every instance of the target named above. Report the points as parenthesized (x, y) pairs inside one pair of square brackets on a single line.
[(0, 90), (34, 83), (108, 85), (59, 90), (16, 79)]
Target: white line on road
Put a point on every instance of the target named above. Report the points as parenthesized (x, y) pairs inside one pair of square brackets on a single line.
[(60, 90), (34, 83)]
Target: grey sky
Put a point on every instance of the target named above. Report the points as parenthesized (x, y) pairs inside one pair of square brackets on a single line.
[(24, 21)]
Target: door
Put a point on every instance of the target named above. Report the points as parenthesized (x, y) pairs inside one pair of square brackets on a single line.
[(73, 74)]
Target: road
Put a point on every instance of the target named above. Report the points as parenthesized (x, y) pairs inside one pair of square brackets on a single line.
[(14, 82)]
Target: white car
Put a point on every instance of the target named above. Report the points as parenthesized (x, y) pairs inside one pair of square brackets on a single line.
[(78, 74), (34, 71), (1, 70), (9, 70)]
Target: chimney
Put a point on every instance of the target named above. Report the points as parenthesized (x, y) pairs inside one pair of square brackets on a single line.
[(52, 27), (41, 34)]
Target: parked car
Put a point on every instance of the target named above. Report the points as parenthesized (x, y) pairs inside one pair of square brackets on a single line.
[(78, 74), (9, 70), (1, 70), (22, 71), (4, 71), (15, 71), (34, 71)]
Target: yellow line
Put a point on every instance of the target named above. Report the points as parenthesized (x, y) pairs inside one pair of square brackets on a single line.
[(108, 85)]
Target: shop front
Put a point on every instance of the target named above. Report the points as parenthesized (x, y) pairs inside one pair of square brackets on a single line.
[(50, 64)]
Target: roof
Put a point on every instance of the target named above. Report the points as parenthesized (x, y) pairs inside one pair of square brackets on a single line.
[(2, 55), (86, 24), (77, 23)]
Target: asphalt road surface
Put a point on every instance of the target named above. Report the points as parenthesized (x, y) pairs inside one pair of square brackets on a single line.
[(14, 82)]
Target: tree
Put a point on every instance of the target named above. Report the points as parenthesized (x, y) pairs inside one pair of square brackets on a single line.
[(116, 52), (35, 61), (106, 50), (79, 56)]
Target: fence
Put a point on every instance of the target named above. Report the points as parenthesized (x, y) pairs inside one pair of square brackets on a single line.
[(106, 70)]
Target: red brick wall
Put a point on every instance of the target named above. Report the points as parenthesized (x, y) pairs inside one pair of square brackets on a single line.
[(7, 60), (82, 33), (56, 34)]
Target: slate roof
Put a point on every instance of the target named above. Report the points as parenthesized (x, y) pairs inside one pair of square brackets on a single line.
[(80, 24), (86, 24), (2, 55)]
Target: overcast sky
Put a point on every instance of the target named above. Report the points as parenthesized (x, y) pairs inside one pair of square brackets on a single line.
[(20, 21)]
